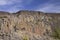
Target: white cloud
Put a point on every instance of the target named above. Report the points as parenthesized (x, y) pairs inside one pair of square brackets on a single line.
[(49, 8), (8, 2), (3, 2), (14, 9), (19, 4)]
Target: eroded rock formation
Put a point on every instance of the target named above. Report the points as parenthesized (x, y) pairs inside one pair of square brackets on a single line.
[(27, 25)]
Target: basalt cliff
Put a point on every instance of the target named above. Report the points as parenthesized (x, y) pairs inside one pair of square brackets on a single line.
[(28, 25)]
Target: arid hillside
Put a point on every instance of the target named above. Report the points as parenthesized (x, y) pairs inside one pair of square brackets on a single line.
[(29, 25)]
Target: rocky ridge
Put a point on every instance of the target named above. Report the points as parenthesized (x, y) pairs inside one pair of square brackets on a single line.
[(28, 25)]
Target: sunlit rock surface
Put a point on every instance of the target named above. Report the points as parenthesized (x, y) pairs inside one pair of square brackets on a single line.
[(28, 25)]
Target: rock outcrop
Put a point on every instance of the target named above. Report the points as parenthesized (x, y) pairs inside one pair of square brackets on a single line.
[(28, 25)]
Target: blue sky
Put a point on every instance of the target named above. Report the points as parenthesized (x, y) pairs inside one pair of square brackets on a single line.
[(36, 5)]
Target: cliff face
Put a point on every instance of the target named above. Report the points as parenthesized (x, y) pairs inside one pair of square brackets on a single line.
[(28, 25)]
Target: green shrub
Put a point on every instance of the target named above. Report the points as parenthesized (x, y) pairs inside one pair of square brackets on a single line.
[(25, 38), (56, 33), (4, 17)]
